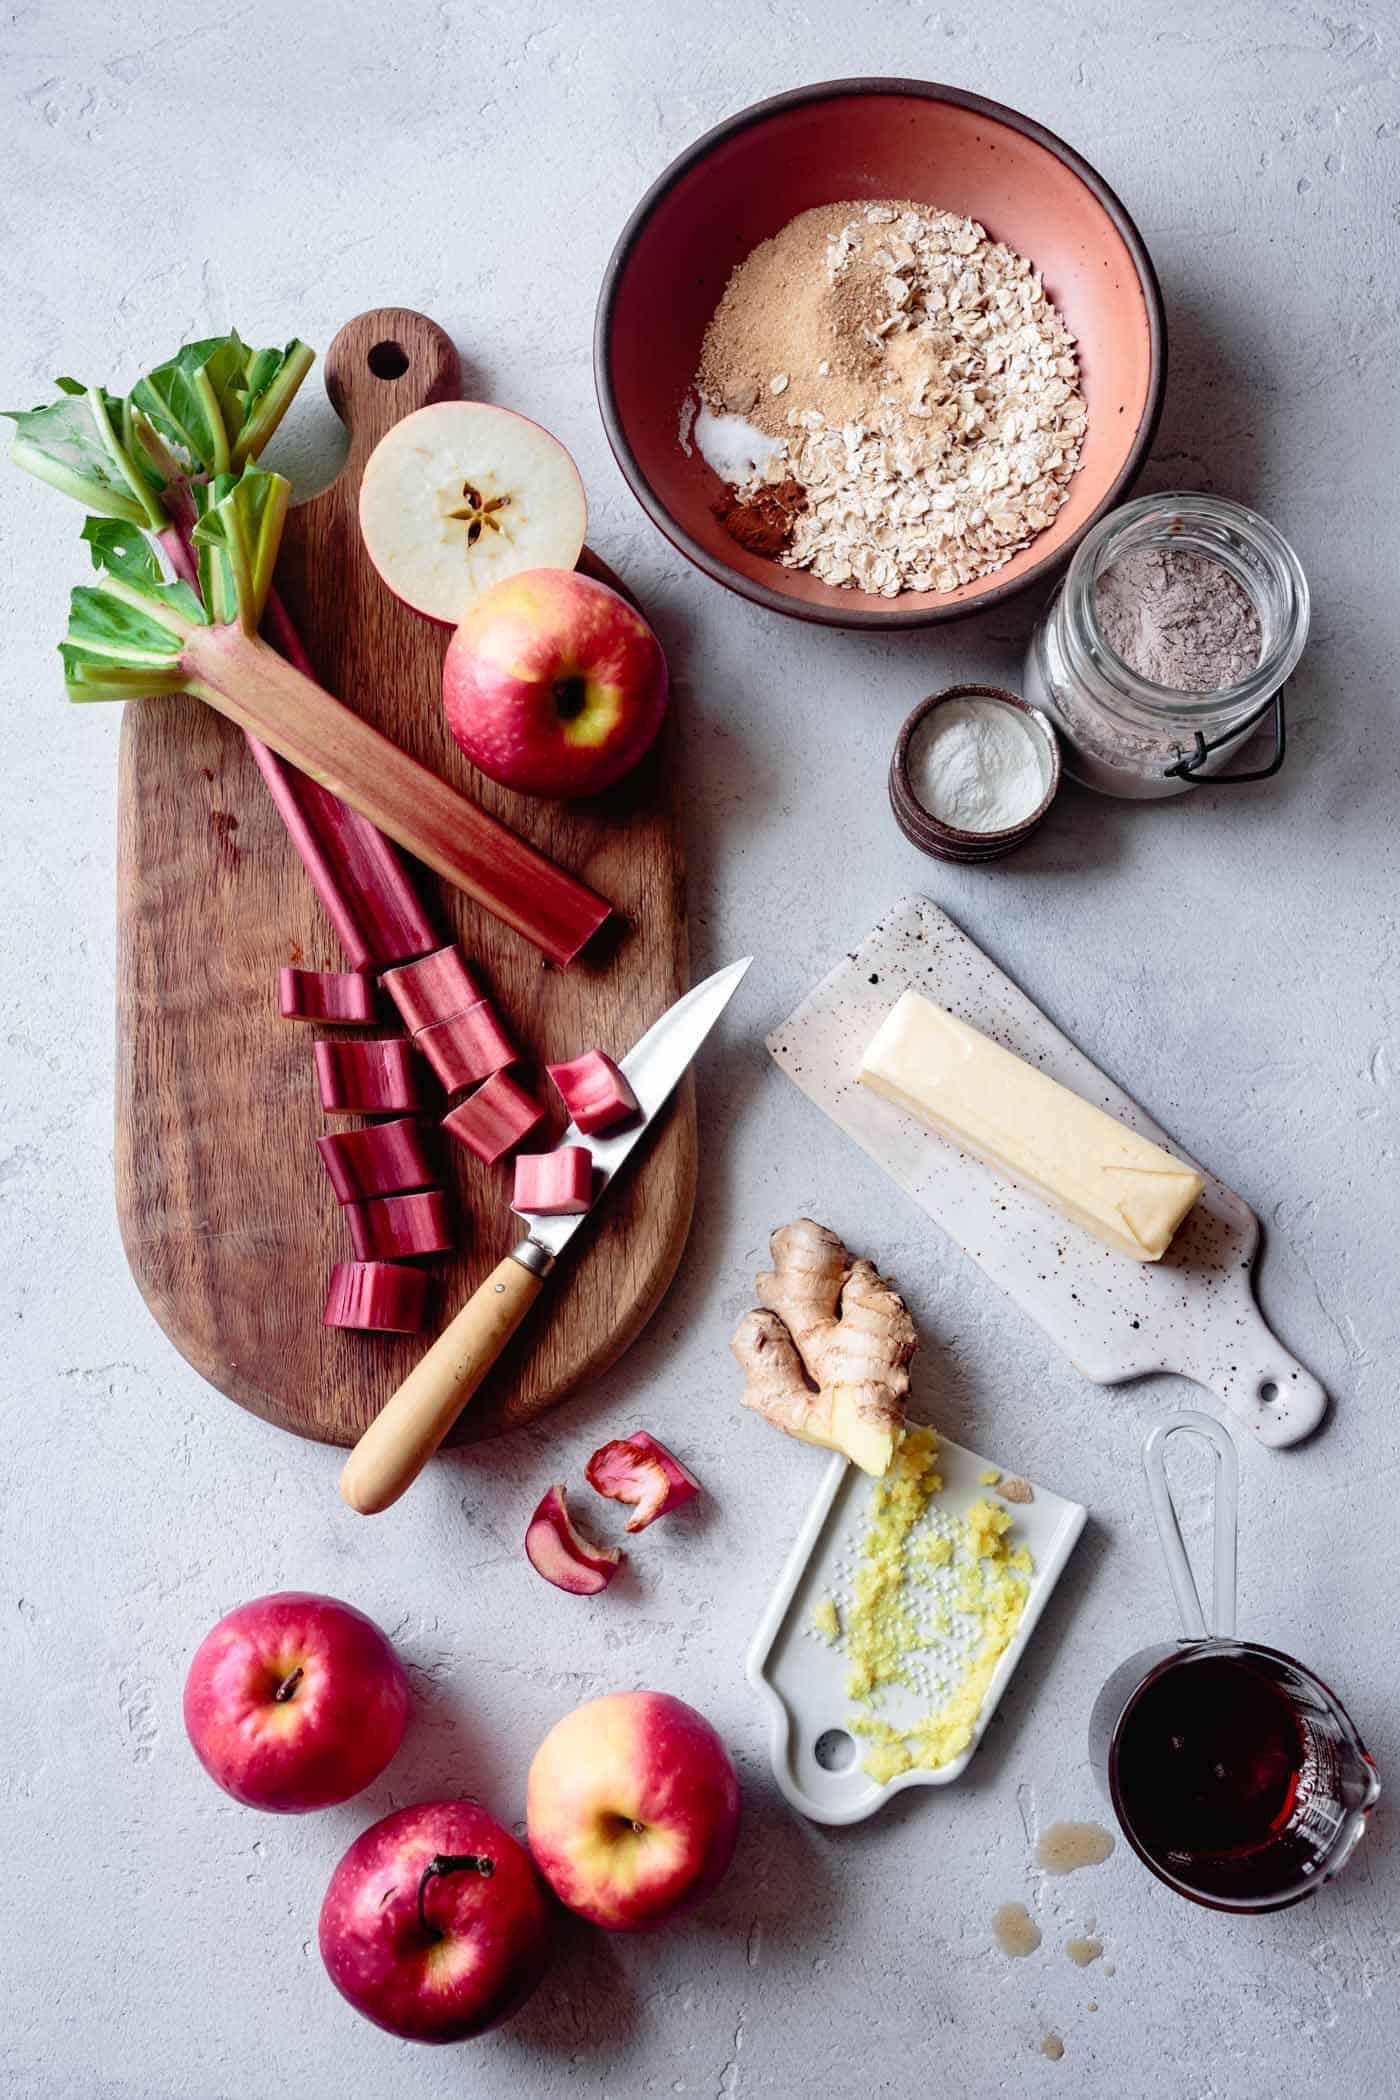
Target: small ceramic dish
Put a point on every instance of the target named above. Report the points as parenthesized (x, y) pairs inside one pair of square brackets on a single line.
[(743, 181), (946, 841)]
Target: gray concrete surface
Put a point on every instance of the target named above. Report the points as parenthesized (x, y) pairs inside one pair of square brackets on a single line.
[(1231, 958)]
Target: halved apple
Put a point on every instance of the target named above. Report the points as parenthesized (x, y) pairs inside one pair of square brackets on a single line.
[(461, 494)]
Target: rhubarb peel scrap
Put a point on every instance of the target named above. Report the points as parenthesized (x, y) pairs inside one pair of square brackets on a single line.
[(557, 1549), (638, 1469)]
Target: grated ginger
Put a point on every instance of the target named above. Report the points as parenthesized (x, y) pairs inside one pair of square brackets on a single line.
[(884, 1624), (826, 1619)]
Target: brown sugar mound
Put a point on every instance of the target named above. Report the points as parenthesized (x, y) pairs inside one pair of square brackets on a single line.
[(782, 319)]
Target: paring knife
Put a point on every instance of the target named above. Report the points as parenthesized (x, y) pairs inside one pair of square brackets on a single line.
[(408, 1429)]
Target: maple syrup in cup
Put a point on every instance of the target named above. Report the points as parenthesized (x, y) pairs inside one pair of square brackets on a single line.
[(1237, 1775)]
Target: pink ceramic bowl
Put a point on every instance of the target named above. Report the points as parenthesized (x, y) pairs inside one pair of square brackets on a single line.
[(744, 180)]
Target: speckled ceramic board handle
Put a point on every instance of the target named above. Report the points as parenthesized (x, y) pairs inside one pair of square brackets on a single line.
[(1192, 1313)]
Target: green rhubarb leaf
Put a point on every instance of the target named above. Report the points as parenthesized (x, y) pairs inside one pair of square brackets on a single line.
[(270, 383), (127, 632), (217, 402), (193, 401), (116, 648), (81, 445), (236, 539), (124, 552)]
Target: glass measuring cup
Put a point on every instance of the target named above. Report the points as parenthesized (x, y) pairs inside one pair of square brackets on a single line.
[(1237, 1776)]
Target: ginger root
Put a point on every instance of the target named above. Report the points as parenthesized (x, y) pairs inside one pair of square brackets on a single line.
[(827, 1356)]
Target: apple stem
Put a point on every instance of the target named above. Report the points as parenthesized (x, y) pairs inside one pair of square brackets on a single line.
[(442, 1864), (289, 1683)]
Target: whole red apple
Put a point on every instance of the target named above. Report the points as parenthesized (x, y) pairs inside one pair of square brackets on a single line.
[(553, 684), (436, 1925), (632, 1809), (295, 1702)]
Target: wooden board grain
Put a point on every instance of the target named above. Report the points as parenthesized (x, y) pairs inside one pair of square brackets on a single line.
[(228, 1221)]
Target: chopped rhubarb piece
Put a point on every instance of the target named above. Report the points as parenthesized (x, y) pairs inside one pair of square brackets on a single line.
[(325, 995), (438, 988), (554, 1184), (376, 1295), (638, 1469), (594, 1091), (497, 1116), (382, 1160), (556, 1549), (390, 1228), (373, 1079), (469, 1047)]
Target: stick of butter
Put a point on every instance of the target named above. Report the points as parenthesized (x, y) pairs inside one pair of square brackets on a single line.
[(1098, 1173)]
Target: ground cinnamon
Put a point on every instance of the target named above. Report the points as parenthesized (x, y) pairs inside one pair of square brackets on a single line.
[(764, 523)]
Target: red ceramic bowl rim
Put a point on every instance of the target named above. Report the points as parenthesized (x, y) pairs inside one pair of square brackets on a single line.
[(805, 609)]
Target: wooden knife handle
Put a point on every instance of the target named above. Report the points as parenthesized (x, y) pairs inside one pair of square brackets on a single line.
[(409, 1427)]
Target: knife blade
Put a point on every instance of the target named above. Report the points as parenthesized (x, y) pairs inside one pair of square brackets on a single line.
[(653, 1068), (413, 1421)]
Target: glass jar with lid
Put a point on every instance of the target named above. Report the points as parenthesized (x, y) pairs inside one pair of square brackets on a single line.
[(1125, 735)]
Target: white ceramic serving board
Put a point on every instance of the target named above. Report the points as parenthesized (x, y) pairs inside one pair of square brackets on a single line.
[(801, 1676), (1192, 1313)]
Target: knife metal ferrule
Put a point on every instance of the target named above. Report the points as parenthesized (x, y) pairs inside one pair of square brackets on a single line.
[(532, 1256)]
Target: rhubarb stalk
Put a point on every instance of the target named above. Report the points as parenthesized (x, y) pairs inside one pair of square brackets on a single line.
[(135, 633), (364, 888), (210, 410)]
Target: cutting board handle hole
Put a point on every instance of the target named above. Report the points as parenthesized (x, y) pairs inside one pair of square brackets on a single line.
[(835, 1750), (388, 360), (1268, 1392)]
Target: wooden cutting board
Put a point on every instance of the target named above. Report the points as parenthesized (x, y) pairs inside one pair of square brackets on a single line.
[(228, 1221)]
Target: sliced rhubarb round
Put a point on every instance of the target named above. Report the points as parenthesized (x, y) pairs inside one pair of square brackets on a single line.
[(461, 494), (554, 1184), (497, 1116), (557, 1549), (343, 997), (637, 1469), (437, 988), (395, 1228), (469, 1047), (372, 1079), (595, 1092), (382, 1160), (377, 1296)]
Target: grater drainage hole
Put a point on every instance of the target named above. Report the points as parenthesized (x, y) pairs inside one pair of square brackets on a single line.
[(835, 1750)]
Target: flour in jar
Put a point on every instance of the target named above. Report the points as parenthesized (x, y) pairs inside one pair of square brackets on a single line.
[(1178, 618)]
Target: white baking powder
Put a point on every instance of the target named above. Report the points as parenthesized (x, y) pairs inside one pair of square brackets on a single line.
[(978, 765), (733, 447)]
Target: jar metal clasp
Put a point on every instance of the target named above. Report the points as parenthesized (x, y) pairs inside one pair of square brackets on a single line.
[(1186, 766)]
